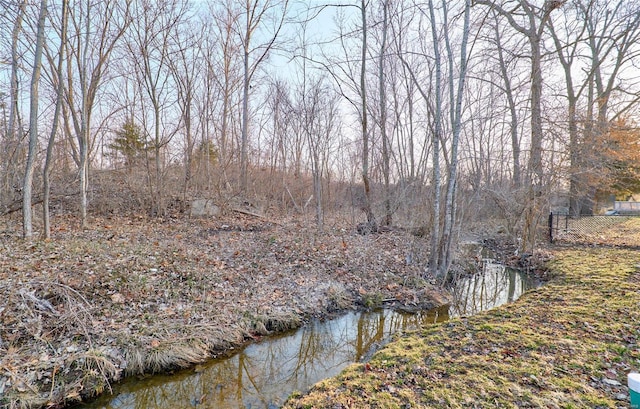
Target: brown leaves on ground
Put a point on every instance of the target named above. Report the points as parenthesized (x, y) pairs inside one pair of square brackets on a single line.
[(134, 295)]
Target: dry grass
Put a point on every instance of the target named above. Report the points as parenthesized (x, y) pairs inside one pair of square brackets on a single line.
[(164, 356), (134, 295)]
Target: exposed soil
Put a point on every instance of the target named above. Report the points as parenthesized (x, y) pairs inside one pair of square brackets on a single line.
[(132, 296), (568, 344)]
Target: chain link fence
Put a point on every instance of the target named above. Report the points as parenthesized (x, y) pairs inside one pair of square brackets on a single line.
[(615, 230)]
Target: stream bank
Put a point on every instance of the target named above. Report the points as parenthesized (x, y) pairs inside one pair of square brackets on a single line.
[(265, 373), (134, 296), (568, 344)]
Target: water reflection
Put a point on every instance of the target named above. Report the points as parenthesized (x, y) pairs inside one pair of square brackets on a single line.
[(493, 286), (263, 374)]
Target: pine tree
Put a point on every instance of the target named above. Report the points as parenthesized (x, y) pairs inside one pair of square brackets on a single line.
[(129, 143)]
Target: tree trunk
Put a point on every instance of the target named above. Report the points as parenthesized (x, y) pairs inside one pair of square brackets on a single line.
[(317, 190), (383, 116), (535, 159), (371, 220), (54, 127), (533, 33), (434, 254), (244, 156), (27, 186), (11, 139), (159, 210), (572, 103), (83, 137), (455, 97), (13, 97), (513, 124)]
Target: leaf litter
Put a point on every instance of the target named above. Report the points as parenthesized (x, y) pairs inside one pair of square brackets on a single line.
[(134, 296)]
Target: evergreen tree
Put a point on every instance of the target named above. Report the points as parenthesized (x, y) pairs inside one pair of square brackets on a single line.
[(129, 143)]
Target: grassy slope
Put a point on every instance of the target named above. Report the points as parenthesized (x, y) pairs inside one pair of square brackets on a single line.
[(565, 345)]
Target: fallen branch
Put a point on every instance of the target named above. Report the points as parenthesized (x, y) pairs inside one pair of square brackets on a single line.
[(17, 205), (41, 304), (247, 212), (295, 204)]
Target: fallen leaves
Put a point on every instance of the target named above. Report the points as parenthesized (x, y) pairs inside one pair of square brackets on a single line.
[(102, 297)]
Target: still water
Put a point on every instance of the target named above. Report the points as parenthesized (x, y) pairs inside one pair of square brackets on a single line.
[(263, 374)]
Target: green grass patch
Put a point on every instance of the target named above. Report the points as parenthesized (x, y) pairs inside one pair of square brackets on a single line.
[(560, 346)]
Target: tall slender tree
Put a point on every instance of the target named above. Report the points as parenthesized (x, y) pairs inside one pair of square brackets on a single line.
[(530, 20), (97, 29), (256, 15), (14, 124), (46, 174), (382, 84), (445, 103), (27, 186)]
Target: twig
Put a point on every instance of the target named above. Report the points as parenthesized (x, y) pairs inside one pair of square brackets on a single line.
[(67, 288), (248, 213), (295, 204), (42, 305), (28, 385), (53, 381)]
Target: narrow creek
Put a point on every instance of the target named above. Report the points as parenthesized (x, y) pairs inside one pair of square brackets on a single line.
[(263, 374)]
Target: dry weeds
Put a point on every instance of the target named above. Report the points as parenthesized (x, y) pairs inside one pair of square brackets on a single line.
[(133, 295)]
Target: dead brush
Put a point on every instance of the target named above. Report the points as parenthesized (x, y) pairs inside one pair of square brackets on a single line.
[(98, 370), (338, 296), (166, 356), (24, 401), (283, 322), (55, 307)]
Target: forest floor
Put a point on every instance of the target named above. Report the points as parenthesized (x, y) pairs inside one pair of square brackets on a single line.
[(136, 295), (567, 344)]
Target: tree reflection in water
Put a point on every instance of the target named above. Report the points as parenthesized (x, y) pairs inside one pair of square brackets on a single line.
[(265, 373), (493, 286)]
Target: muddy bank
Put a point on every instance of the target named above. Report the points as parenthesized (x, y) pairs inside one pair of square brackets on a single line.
[(134, 296), (567, 344)]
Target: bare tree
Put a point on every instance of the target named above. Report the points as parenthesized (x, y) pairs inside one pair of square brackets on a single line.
[(530, 20), (14, 124), (13, 92), (511, 103), (411, 152), (151, 50), (46, 174), (456, 95), (226, 71), (610, 33), (256, 13), (446, 107), (97, 28), (351, 78), (382, 84), (319, 113), (27, 186), (185, 67)]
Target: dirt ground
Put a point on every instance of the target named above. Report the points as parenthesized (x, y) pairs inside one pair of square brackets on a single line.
[(133, 295)]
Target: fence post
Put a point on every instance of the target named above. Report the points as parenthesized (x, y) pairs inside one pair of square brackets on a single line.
[(550, 227)]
